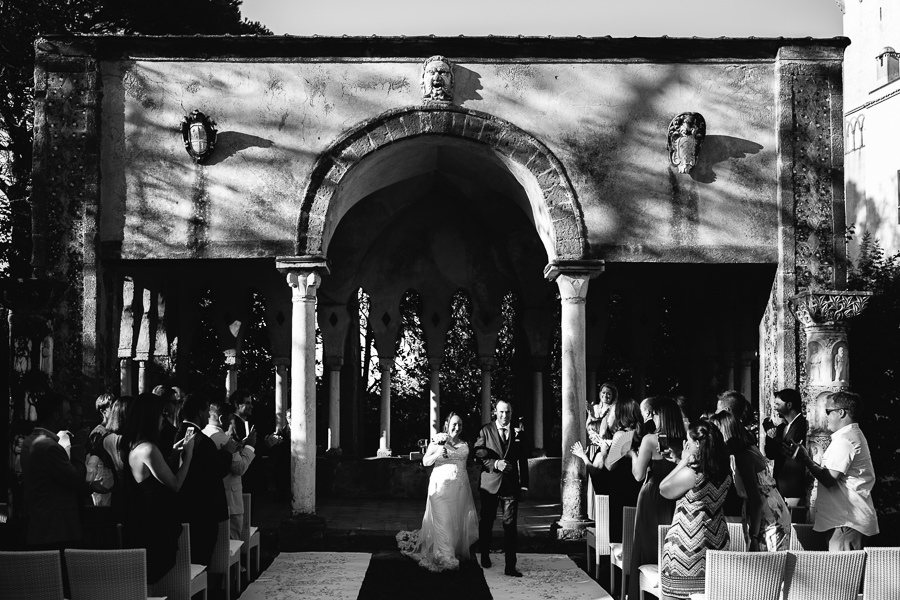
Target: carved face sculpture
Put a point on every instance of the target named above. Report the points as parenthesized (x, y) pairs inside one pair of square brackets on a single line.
[(686, 134), (437, 79)]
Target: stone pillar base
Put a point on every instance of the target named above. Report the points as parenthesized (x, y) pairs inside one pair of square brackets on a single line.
[(538, 453), (334, 452), (383, 453), (566, 529)]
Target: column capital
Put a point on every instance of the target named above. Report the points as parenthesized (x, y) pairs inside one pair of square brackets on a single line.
[(581, 269), (386, 362), (828, 307), (435, 363)]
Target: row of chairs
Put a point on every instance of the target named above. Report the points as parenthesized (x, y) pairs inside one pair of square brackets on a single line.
[(38, 575), (803, 539)]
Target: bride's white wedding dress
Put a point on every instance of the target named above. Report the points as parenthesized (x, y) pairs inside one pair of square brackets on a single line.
[(450, 524)]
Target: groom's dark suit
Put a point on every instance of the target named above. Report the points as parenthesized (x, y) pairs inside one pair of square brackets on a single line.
[(500, 488)]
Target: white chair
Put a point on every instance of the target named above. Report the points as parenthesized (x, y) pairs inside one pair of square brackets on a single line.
[(184, 580), (31, 575), (225, 561), (250, 536), (103, 574), (804, 537), (882, 578), (649, 574), (597, 537), (736, 575), (620, 552), (736, 540), (814, 575)]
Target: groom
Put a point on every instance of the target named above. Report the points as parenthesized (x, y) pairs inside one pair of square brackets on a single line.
[(504, 471)]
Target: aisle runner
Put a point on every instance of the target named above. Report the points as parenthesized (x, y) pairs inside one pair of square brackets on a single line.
[(389, 576), (311, 576)]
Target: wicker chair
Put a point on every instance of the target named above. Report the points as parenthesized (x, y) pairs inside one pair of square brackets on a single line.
[(31, 575), (882, 578), (803, 537), (184, 580), (226, 561), (620, 552), (597, 537), (250, 537), (103, 574), (736, 540), (649, 574), (812, 575), (736, 575)]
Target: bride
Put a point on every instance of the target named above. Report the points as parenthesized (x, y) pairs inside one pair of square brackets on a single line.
[(450, 525)]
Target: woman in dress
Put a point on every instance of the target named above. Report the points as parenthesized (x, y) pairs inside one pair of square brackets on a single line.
[(450, 525), (651, 463), (601, 415), (766, 516), (699, 484), (151, 519), (614, 457)]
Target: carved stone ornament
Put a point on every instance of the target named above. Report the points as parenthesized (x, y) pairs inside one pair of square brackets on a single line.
[(437, 79), (686, 134), (199, 133), (819, 308)]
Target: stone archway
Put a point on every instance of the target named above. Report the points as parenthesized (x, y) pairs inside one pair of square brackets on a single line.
[(556, 212)]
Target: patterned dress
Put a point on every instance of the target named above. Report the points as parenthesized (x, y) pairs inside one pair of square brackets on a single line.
[(775, 526), (698, 525)]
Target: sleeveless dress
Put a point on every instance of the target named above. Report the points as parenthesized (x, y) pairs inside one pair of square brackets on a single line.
[(652, 510), (450, 524), (775, 528), (698, 525), (151, 522)]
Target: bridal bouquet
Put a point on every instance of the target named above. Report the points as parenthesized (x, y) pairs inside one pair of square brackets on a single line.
[(440, 438)]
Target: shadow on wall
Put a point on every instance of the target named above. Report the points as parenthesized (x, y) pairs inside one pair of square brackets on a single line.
[(229, 143), (717, 149), (467, 85)]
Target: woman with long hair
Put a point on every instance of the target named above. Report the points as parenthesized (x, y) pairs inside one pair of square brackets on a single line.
[(698, 484), (151, 519), (653, 460), (450, 524), (614, 458), (766, 517)]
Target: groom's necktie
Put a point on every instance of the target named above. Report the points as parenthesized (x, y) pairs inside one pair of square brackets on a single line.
[(503, 435)]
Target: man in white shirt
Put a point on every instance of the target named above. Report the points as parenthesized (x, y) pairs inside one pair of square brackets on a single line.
[(845, 477), (220, 416)]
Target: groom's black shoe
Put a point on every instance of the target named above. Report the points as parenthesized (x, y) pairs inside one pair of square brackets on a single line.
[(485, 561), (512, 572)]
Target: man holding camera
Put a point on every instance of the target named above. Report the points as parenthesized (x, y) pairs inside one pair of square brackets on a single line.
[(790, 473)]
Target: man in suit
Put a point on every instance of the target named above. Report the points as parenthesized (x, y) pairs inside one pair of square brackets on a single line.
[(202, 495), (504, 472), (790, 473), (53, 483), (218, 429)]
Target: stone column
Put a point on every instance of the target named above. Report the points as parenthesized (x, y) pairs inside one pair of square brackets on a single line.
[(232, 364), (747, 376), (825, 318), (572, 280), (304, 279), (487, 365), (434, 399), (126, 339), (282, 391), (384, 443), (142, 353), (333, 365), (537, 395)]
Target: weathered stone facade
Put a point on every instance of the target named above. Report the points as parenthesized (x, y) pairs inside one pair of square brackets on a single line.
[(538, 159)]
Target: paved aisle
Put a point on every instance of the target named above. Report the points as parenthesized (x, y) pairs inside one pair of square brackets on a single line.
[(389, 575)]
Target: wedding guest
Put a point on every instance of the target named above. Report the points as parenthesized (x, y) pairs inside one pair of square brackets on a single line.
[(766, 517), (654, 459), (151, 515), (790, 474), (614, 457), (53, 484), (112, 445), (699, 483), (845, 476), (99, 464)]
